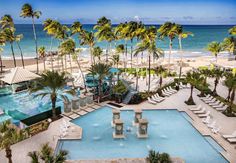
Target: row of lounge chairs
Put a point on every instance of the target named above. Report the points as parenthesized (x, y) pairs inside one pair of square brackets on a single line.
[(231, 137), (168, 91), (182, 86), (214, 103), (156, 98)]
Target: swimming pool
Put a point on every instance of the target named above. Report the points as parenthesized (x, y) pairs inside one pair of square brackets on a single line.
[(22, 105), (168, 132)]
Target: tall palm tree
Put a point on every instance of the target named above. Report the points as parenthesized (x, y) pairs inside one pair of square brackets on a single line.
[(215, 48), (75, 57), (87, 38), (229, 44), (2, 43), (194, 78), (102, 70), (168, 29), (149, 44), (161, 72), (116, 59), (76, 28), (120, 49), (232, 30), (46, 155), (216, 73), (51, 83), (6, 21), (42, 54), (181, 34), (28, 12), (97, 53), (18, 38), (229, 83), (9, 135), (232, 94), (10, 37)]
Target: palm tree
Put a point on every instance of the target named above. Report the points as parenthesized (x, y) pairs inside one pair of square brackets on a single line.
[(229, 83), (10, 37), (42, 54), (6, 21), (51, 84), (18, 39), (116, 59), (161, 71), (76, 28), (216, 73), (195, 79), (28, 12), (102, 70), (232, 30), (181, 34), (229, 44), (46, 155), (87, 38), (168, 29), (232, 94), (2, 43), (75, 57), (149, 44), (9, 135), (120, 49), (215, 48), (97, 52)]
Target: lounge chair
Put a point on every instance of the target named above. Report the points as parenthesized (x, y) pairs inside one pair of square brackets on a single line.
[(164, 93), (215, 130), (199, 107), (206, 97), (212, 125), (202, 111), (222, 108), (157, 99), (151, 101), (206, 120), (219, 105), (232, 140), (157, 95), (210, 101), (168, 92), (233, 135), (170, 89), (214, 103), (204, 115), (182, 85)]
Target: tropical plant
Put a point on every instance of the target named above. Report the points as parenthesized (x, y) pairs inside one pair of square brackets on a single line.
[(232, 30), (51, 83), (97, 53), (18, 38), (162, 72), (229, 44), (156, 157), (76, 28), (46, 155), (6, 21), (194, 78), (216, 73), (229, 83), (42, 54), (28, 12), (205, 71), (169, 30), (101, 70), (116, 59), (215, 48), (2, 43), (181, 34), (120, 49), (9, 135)]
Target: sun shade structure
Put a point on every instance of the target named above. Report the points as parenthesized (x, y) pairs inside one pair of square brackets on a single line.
[(18, 75)]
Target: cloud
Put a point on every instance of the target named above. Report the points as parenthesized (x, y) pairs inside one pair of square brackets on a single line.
[(188, 17)]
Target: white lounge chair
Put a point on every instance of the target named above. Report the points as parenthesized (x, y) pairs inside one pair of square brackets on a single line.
[(151, 101), (164, 93), (206, 97), (232, 140), (233, 135), (206, 120), (202, 111), (158, 99), (171, 89), (199, 107), (158, 96), (222, 108), (212, 125), (182, 85), (219, 105), (204, 115), (215, 130), (214, 103), (155, 99), (167, 91), (210, 101)]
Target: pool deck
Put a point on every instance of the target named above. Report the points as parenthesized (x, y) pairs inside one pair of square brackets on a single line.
[(176, 101)]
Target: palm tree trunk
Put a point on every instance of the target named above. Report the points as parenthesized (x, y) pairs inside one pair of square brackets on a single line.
[(149, 72), (190, 100), (70, 64), (124, 60), (229, 92), (131, 54), (181, 58), (169, 55), (8, 154), (53, 100), (21, 54), (99, 90), (1, 64), (85, 87), (232, 100), (13, 54), (51, 53), (107, 53), (126, 54), (36, 44), (160, 83), (215, 85)]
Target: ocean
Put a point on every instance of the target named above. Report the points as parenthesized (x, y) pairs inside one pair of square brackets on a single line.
[(193, 46)]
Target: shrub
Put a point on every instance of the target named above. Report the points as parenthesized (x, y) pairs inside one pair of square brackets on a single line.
[(120, 88), (156, 157)]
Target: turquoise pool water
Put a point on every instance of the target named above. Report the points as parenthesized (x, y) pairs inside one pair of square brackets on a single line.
[(168, 132), (22, 105)]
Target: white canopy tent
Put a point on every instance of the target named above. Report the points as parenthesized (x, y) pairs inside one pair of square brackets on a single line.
[(18, 75)]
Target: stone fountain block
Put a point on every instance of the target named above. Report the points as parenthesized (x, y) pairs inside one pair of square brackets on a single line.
[(119, 129), (82, 101), (142, 128), (137, 116), (116, 115), (67, 106), (75, 103)]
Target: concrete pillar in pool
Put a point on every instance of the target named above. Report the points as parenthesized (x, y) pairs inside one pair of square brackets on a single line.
[(119, 131), (67, 106), (89, 98), (137, 116), (142, 128), (75, 103), (115, 115), (82, 101)]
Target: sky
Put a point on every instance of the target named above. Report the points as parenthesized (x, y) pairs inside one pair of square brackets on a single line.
[(149, 11)]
